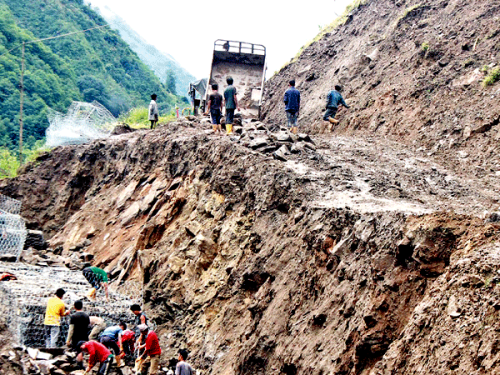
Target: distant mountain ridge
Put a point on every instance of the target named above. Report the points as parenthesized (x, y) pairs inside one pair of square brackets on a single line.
[(156, 60)]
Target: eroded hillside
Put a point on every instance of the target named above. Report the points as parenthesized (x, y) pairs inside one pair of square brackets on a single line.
[(323, 263), (373, 250), (411, 71)]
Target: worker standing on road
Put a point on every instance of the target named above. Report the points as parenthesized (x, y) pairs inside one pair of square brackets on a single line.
[(54, 312), (215, 108), (153, 111), (98, 278), (292, 106), (231, 103), (79, 323), (333, 100)]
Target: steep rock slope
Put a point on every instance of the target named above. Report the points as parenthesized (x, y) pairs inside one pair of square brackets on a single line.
[(321, 264), (412, 71)]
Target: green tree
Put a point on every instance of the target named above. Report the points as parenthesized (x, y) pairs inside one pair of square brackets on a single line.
[(170, 84), (95, 65)]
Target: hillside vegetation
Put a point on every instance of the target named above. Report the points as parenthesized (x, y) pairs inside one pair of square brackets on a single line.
[(96, 65), (160, 63)]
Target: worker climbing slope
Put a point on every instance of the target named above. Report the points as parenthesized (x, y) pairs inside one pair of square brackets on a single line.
[(98, 278), (333, 100)]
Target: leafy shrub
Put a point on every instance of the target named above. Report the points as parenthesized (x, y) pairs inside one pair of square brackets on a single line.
[(492, 77)]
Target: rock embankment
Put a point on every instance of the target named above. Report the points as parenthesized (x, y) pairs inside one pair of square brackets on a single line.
[(257, 264)]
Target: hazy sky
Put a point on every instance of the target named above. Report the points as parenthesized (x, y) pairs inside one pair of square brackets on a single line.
[(187, 29)]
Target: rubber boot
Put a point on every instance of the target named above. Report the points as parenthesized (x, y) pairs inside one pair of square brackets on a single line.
[(294, 130), (214, 128), (333, 121), (229, 128), (91, 294)]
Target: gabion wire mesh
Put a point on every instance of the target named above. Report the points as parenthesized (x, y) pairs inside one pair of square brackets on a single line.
[(26, 300), (12, 234), (9, 205), (82, 123)]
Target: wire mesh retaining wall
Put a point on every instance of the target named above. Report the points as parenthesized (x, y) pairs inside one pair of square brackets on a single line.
[(10, 205), (12, 227), (82, 123), (26, 300)]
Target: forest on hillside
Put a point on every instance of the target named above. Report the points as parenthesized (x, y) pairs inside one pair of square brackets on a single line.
[(96, 65), (163, 65)]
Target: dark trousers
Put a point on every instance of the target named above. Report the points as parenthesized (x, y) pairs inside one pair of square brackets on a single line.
[(105, 366), (229, 115), (216, 116), (330, 112), (91, 278), (111, 344)]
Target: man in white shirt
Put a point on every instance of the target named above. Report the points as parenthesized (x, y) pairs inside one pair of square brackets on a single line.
[(153, 111)]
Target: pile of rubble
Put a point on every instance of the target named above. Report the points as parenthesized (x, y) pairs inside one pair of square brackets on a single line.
[(34, 361), (280, 144)]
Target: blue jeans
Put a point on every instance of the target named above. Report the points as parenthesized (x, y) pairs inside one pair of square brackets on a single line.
[(216, 116), (51, 336), (292, 118), (330, 112), (229, 115)]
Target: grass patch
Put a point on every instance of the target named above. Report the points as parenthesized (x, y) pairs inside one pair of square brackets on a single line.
[(492, 77), (405, 14), (138, 118), (9, 160), (425, 46)]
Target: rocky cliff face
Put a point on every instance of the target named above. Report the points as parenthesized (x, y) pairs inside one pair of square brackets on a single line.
[(335, 261)]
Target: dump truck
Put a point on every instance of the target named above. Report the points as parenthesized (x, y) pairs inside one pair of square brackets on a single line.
[(246, 64)]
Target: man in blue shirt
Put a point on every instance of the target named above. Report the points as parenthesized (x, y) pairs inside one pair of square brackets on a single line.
[(292, 106), (334, 99), (111, 338)]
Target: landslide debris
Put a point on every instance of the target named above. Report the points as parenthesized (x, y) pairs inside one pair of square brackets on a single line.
[(411, 71), (257, 265), (363, 253)]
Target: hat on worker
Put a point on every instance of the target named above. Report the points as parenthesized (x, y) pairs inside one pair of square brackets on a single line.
[(142, 327)]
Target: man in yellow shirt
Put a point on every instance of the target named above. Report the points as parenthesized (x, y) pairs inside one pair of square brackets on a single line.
[(55, 310)]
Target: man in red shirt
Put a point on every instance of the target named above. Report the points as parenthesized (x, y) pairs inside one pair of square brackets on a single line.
[(152, 350), (127, 344), (97, 353)]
